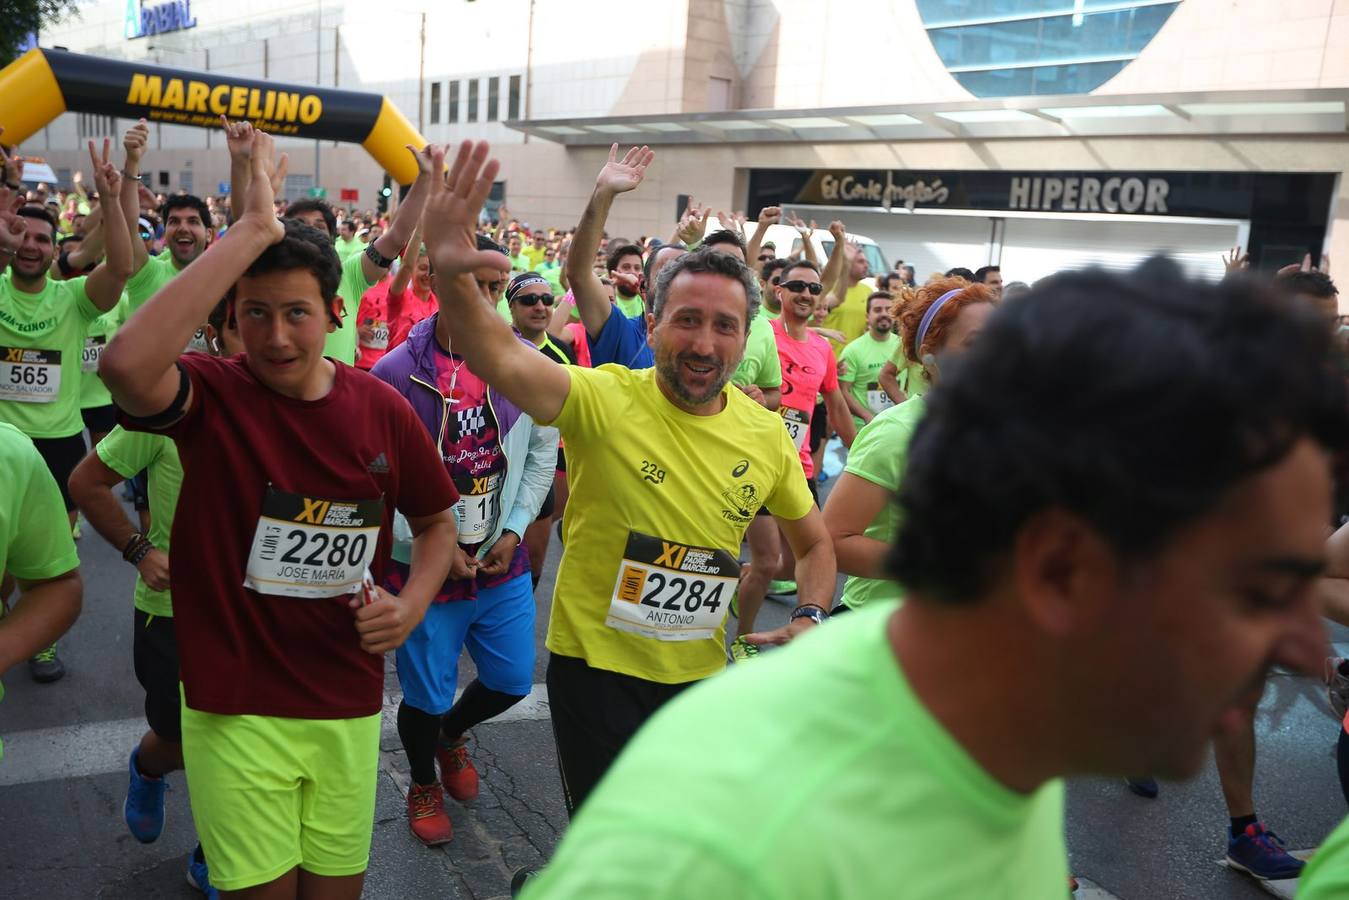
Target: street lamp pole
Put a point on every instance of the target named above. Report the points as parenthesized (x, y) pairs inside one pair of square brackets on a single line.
[(318, 78)]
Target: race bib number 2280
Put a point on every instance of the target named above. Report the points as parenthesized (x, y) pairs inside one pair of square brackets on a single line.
[(312, 547)]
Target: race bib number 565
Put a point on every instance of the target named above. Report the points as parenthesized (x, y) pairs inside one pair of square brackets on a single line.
[(29, 376), (671, 591), (312, 547)]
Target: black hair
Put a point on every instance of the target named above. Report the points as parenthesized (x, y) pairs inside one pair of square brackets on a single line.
[(773, 265), (1134, 401), (222, 310), (307, 248), (311, 204), (34, 211), (1313, 284), (707, 260), (186, 201), (651, 259), (802, 263), (961, 272), (982, 272), (725, 236), (617, 253), (68, 239)]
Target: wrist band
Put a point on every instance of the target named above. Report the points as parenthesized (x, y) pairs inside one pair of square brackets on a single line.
[(131, 543), (141, 551)]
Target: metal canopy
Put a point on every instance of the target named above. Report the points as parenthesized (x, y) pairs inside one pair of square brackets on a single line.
[(1207, 114)]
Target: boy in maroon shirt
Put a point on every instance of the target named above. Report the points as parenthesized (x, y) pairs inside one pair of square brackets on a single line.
[(293, 465)]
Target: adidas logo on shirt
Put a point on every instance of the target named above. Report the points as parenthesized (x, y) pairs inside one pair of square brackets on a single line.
[(379, 466)]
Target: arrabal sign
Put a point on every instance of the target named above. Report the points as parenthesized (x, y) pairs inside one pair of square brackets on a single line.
[(161, 18)]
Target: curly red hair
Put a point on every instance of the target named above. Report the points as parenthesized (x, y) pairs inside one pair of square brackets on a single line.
[(914, 307)]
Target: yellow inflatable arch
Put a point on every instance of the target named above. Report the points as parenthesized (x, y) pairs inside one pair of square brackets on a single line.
[(40, 85)]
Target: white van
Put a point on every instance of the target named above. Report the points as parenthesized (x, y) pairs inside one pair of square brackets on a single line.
[(786, 242)]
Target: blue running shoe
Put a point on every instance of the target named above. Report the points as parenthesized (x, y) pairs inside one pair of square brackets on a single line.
[(144, 807), (1260, 854), (1143, 786), (198, 876)]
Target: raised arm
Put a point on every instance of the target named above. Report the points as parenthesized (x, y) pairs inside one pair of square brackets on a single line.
[(769, 215), (807, 245), (835, 274), (91, 245), (104, 285), (692, 225), (409, 213), (91, 487), (129, 197), (617, 177), (139, 364), (528, 378)]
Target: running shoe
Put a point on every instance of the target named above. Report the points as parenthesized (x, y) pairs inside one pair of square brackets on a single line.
[(522, 876), (782, 587), (199, 876), (1337, 685), (46, 666), (742, 650), (1143, 787), (144, 806), (1260, 854), (456, 769), (426, 815)]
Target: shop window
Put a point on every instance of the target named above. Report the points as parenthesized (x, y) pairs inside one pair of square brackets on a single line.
[(435, 103)]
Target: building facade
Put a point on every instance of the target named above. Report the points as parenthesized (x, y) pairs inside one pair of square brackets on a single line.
[(1035, 134)]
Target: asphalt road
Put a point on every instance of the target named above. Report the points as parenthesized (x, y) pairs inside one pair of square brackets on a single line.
[(63, 780)]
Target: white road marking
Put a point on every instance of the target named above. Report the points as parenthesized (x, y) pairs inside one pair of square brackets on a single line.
[(97, 748)]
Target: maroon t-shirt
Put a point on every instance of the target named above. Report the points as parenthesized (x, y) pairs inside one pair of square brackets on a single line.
[(247, 653)]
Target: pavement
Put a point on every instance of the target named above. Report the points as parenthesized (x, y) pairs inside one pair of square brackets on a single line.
[(63, 780)]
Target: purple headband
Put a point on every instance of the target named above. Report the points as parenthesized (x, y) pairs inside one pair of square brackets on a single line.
[(926, 323)]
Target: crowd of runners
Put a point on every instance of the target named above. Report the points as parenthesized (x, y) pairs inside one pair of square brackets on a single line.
[(1080, 522)]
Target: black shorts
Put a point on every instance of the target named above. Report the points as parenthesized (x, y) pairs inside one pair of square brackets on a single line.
[(548, 507), (154, 652), (819, 427), (62, 455), (561, 459), (99, 419), (595, 713), (814, 493)]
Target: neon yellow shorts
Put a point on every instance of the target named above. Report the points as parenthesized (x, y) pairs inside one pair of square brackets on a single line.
[(269, 794)]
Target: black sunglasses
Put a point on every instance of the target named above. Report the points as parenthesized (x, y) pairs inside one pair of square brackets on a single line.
[(796, 287), (766, 257), (545, 299)]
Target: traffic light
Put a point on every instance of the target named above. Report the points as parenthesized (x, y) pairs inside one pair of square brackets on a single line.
[(385, 193)]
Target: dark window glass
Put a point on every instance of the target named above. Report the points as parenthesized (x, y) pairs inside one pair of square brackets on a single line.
[(473, 100), (493, 98), (513, 100)]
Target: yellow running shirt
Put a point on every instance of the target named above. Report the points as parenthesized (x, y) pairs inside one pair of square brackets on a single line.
[(660, 500)]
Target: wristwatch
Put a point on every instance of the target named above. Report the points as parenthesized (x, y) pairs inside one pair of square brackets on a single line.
[(810, 611), (378, 258)]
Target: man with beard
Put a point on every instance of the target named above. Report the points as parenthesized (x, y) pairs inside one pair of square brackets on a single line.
[(42, 329), (861, 362), (186, 227), (667, 466)]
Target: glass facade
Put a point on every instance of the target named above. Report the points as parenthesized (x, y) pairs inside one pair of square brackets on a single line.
[(1010, 48)]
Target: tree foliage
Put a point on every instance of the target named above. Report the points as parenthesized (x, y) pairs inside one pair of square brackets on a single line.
[(20, 18)]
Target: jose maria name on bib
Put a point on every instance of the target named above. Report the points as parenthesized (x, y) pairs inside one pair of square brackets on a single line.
[(312, 546)]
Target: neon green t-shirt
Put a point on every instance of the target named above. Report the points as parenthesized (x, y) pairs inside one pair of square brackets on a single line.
[(859, 368), (690, 810), (878, 454), (157, 272), (93, 393), (346, 248), (521, 263), (35, 541), (1326, 876), (129, 452), (41, 342), (633, 307), (341, 344), (850, 316), (504, 310), (761, 365), (647, 476), (554, 275)]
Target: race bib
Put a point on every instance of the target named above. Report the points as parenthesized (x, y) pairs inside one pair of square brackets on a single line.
[(877, 399), (478, 508), (310, 547), (29, 376), (798, 425), (93, 352), (380, 339), (671, 591)]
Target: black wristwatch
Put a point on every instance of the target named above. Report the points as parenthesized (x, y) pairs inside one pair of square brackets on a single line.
[(810, 611), (377, 258)]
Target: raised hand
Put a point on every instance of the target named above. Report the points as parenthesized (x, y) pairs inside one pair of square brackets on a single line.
[(425, 158), (1236, 261), (619, 176), (693, 225), (134, 142), (238, 138), (258, 197), (13, 227), (770, 215), (107, 178), (451, 218), (837, 229)]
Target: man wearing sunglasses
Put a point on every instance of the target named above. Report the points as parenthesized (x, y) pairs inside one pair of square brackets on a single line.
[(809, 368)]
